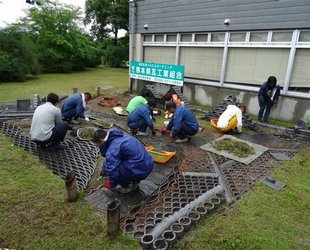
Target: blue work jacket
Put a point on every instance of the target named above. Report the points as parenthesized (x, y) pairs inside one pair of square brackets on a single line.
[(182, 115), (125, 157), (73, 106)]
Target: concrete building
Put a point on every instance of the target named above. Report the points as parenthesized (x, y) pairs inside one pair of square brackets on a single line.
[(228, 47)]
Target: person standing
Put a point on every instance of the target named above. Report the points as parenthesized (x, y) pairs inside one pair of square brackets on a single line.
[(182, 123), (74, 107), (231, 118), (268, 95), (137, 101), (141, 118), (47, 129), (126, 160)]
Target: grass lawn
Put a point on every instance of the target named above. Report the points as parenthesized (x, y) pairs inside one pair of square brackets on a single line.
[(84, 81), (34, 211), (35, 214), (263, 218)]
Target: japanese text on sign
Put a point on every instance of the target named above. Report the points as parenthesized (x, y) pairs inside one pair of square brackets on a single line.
[(164, 73)]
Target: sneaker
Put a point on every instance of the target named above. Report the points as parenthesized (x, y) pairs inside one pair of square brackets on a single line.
[(57, 146), (74, 122), (181, 140), (142, 133)]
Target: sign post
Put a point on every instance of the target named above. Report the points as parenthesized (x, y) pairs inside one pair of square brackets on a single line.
[(157, 72)]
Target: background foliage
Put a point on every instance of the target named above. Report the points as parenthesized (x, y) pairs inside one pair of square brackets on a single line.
[(50, 39)]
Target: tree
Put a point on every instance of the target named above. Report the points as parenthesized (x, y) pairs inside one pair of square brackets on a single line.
[(18, 55), (116, 55), (106, 16), (62, 45)]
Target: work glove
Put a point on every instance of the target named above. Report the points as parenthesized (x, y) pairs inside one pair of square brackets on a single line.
[(163, 131), (107, 185), (87, 119), (170, 136)]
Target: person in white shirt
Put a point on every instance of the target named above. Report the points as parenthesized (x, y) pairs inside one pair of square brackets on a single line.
[(231, 118), (47, 129)]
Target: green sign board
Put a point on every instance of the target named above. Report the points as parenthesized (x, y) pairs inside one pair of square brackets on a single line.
[(157, 72)]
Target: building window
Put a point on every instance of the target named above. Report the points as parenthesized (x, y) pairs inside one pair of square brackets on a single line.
[(281, 37), (254, 65), (258, 36), (171, 38), (147, 38), (304, 36), (201, 38), (300, 77), (160, 54), (217, 37), (237, 37), (159, 38), (186, 37), (204, 63)]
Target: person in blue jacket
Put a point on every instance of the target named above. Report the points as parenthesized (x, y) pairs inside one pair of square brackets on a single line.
[(74, 107), (268, 95), (183, 122), (126, 160), (141, 118)]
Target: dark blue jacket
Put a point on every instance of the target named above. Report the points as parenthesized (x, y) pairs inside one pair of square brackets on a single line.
[(262, 93), (182, 115), (125, 157), (141, 112), (73, 106)]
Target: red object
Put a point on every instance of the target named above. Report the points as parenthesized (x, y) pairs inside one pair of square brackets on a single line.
[(107, 185), (170, 136), (163, 131)]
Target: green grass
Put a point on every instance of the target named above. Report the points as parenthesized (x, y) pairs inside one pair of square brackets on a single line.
[(238, 148), (64, 83), (35, 214), (34, 211), (263, 218)]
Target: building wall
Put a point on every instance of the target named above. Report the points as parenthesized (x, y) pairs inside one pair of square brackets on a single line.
[(193, 20), (164, 16), (287, 108)]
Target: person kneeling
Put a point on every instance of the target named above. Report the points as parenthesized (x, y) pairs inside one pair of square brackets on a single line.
[(126, 160), (230, 119)]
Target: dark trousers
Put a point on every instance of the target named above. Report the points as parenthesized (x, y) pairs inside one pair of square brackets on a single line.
[(264, 106), (185, 131), (58, 134), (126, 177), (140, 125)]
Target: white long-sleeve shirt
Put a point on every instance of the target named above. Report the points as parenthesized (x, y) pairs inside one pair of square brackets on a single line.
[(230, 112)]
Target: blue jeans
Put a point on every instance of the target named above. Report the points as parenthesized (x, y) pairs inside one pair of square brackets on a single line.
[(140, 125), (265, 106)]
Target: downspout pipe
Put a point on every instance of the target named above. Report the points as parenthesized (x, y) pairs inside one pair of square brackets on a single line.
[(167, 222), (133, 34)]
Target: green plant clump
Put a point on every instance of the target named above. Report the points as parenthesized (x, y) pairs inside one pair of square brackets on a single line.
[(238, 148)]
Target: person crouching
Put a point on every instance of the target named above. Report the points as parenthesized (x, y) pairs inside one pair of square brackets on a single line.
[(126, 160)]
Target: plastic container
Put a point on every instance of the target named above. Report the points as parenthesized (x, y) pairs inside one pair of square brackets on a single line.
[(231, 125), (103, 124), (160, 156), (86, 133)]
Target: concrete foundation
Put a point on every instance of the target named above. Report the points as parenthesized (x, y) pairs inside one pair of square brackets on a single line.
[(287, 109)]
